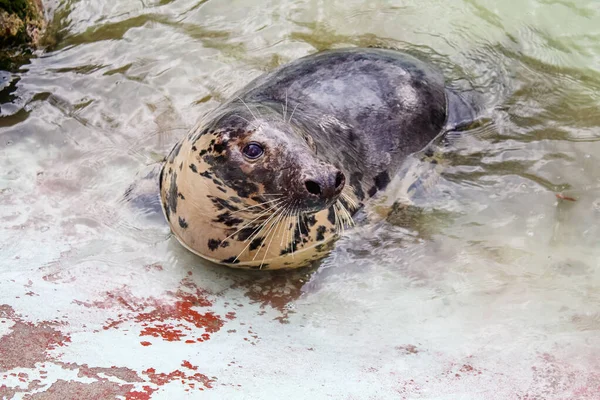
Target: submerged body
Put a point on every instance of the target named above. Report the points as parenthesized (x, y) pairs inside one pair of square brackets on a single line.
[(270, 177)]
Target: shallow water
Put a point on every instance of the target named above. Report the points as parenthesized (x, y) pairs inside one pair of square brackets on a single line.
[(492, 292)]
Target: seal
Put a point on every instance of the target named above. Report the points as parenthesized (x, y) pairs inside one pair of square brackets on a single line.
[(272, 176)]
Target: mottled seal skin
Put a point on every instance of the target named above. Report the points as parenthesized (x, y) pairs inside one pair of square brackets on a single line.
[(330, 131)]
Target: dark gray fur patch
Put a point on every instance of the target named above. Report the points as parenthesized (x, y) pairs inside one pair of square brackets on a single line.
[(382, 180), (174, 152), (331, 215), (230, 260), (372, 191), (321, 232), (227, 219), (243, 188), (355, 181), (299, 236), (219, 147), (245, 233), (193, 168), (172, 196), (213, 244), (325, 246), (256, 243), (183, 223), (222, 204)]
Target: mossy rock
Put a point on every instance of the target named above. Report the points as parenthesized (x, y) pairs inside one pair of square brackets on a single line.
[(22, 23)]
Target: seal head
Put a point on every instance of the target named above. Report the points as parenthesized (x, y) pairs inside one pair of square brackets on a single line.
[(252, 191)]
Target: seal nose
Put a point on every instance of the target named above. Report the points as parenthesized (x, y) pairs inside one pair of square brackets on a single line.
[(326, 186)]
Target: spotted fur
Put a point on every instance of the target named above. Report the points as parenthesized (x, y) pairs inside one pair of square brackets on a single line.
[(360, 111)]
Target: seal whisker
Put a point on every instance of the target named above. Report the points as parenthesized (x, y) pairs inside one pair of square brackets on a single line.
[(274, 231), (269, 229), (262, 226), (292, 225), (338, 222), (256, 205), (347, 217), (257, 232), (345, 213), (299, 229), (253, 115), (342, 220), (350, 200), (338, 219), (249, 223), (285, 219), (286, 105), (253, 124), (292, 116)]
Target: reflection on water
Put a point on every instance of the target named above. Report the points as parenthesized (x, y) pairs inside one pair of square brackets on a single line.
[(488, 286)]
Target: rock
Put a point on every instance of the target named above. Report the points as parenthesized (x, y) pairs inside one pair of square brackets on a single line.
[(22, 23)]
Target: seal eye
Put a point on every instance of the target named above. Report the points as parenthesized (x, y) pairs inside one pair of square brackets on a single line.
[(253, 151)]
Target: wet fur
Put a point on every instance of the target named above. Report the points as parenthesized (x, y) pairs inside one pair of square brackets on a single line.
[(361, 111)]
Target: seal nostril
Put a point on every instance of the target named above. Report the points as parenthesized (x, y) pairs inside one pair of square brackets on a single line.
[(313, 187), (339, 180)]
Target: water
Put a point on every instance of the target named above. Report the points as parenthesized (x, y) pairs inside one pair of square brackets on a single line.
[(493, 292)]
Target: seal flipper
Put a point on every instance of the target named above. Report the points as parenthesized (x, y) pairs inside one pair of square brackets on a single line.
[(463, 110), (144, 193)]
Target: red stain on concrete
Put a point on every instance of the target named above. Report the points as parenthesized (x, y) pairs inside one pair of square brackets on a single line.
[(155, 266), (189, 365), (7, 392), (165, 331), (230, 315), (69, 390), (409, 389), (28, 343), (174, 319), (558, 379), (465, 369), (408, 349), (85, 371), (52, 277), (161, 379), (137, 395)]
